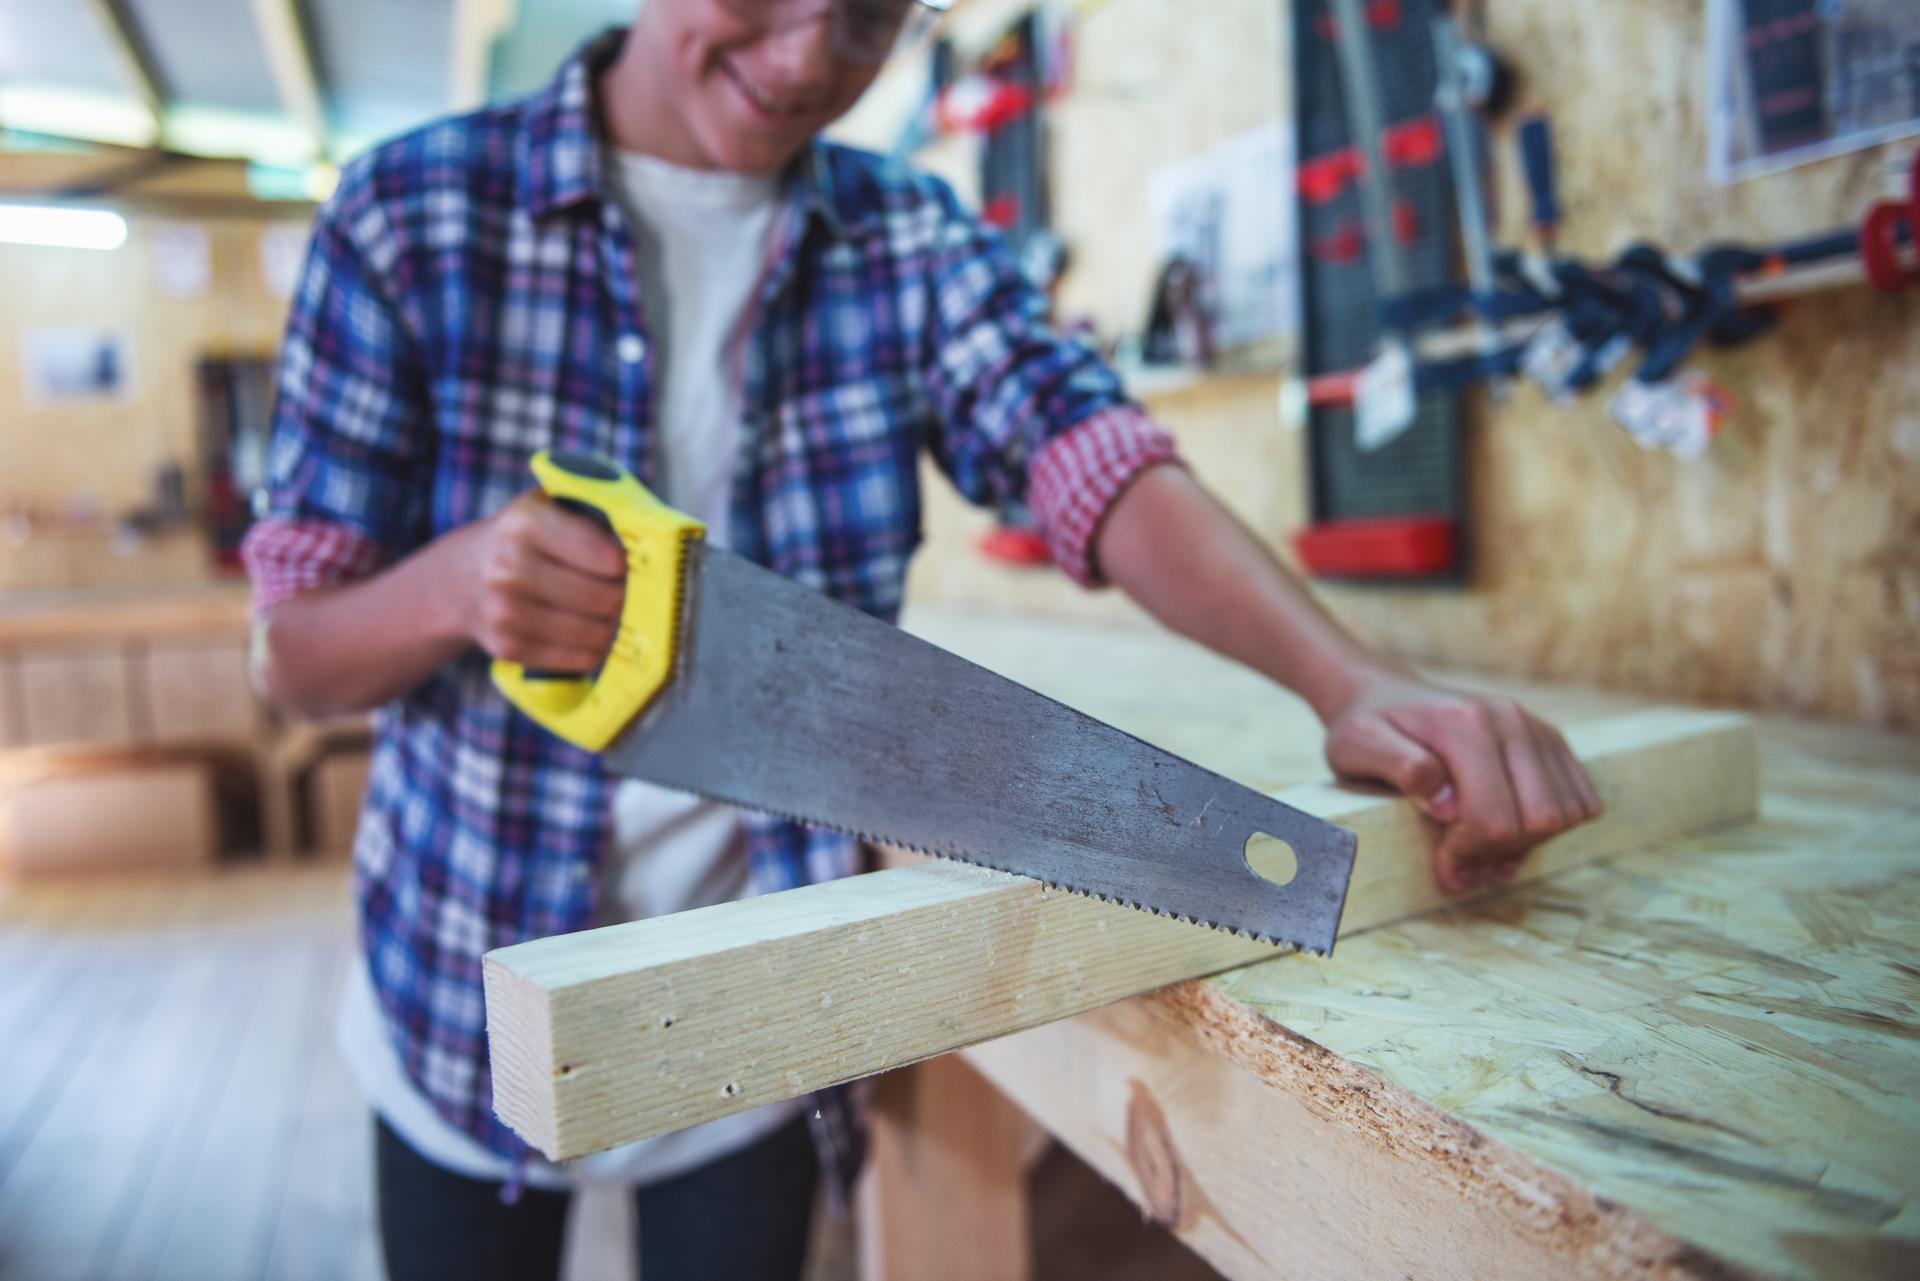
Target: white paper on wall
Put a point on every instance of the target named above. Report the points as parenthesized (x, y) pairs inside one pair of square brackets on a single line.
[(64, 365), (1230, 211), (182, 255), (283, 248), (1792, 81)]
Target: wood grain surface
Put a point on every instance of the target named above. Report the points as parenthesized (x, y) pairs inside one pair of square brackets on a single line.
[(612, 1035), (1715, 1035)]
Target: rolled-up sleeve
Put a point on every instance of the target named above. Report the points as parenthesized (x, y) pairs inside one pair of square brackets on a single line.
[(1024, 412), (349, 464), (1079, 474)]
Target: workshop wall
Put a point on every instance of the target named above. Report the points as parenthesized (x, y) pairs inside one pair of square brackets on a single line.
[(1782, 571), (105, 452)]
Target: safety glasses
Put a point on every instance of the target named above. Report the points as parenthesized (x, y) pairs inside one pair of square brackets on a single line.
[(863, 31)]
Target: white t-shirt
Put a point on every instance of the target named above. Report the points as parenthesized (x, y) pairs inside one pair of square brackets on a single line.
[(701, 239)]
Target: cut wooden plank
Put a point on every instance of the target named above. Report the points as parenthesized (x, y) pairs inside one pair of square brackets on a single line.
[(611, 1035)]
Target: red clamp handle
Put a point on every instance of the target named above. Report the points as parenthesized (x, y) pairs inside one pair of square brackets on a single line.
[(1880, 238)]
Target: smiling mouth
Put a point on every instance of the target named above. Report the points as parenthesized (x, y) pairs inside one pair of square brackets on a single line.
[(764, 103)]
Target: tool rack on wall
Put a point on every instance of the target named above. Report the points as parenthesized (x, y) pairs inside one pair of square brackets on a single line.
[(1393, 512)]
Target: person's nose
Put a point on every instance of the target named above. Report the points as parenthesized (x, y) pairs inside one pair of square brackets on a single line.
[(800, 58)]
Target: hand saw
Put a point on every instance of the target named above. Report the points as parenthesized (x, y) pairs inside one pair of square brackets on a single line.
[(730, 681)]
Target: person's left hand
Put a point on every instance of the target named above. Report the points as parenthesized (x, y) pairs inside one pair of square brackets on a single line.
[(1497, 779)]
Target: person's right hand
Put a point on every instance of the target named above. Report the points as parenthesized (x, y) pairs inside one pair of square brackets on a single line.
[(539, 586)]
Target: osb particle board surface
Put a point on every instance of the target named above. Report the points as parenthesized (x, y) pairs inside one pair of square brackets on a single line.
[(1719, 1032)]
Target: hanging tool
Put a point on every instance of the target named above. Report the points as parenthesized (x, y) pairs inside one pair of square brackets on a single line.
[(1451, 60), (1891, 227), (730, 681), (1706, 302), (1384, 400), (1536, 163)]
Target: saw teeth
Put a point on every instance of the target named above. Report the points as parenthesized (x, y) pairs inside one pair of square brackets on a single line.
[(957, 857)]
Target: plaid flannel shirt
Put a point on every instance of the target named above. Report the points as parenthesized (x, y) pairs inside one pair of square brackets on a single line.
[(469, 298)]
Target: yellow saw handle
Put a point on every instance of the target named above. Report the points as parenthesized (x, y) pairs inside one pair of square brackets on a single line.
[(589, 710)]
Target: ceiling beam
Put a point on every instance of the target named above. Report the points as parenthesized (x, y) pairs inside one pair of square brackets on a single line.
[(477, 25), (114, 178), (294, 71), (135, 56)]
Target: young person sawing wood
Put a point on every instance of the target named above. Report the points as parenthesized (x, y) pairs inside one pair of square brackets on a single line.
[(656, 258)]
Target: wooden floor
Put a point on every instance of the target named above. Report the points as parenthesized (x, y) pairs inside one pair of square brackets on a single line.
[(171, 1105)]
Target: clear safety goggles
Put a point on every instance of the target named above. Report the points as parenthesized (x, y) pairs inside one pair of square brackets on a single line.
[(863, 31)]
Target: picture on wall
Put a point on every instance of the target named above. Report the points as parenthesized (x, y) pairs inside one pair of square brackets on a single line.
[(1228, 213), (1799, 80), (75, 364)]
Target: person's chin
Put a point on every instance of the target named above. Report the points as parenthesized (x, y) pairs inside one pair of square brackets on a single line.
[(748, 144)]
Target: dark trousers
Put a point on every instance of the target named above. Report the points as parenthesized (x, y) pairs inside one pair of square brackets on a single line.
[(743, 1217)]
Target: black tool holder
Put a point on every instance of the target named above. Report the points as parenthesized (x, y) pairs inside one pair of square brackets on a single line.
[(1420, 473)]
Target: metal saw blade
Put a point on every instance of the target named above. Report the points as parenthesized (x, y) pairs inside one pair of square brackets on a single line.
[(785, 701)]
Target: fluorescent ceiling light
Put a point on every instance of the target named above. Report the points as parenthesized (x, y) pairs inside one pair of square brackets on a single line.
[(62, 228), (312, 184), (73, 113), (217, 133)]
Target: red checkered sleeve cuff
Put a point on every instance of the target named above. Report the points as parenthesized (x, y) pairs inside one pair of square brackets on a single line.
[(286, 557), (1074, 480)]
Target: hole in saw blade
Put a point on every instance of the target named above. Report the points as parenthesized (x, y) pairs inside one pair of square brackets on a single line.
[(1271, 858)]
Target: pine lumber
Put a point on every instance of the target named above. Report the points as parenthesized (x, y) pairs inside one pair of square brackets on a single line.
[(607, 1036)]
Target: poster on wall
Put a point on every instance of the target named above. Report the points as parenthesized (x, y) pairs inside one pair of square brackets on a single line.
[(64, 365), (1798, 80), (1229, 212), (283, 248), (182, 255)]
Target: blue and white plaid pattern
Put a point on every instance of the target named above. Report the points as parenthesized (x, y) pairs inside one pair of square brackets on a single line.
[(469, 298)]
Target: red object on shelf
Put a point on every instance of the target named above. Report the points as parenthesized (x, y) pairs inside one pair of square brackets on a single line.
[(1332, 391), (1323, 178), (1406, 223), (980, 104), (1379, 547), (1341, 245), (1411, 143), (1383, 15), (1003, 211), (1407, 145), (1012, 546)]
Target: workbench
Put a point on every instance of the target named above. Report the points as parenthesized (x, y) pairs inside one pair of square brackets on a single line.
[(1699, 1059), (91, 675)]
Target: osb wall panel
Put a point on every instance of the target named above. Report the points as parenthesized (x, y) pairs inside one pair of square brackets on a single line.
[(108, 450), (1783, 571)]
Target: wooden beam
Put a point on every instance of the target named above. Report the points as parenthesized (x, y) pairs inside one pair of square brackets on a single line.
[(611, 1035), (1348, 1177), (136, 59), (477, 24), (291, 62), (943, 1194)]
